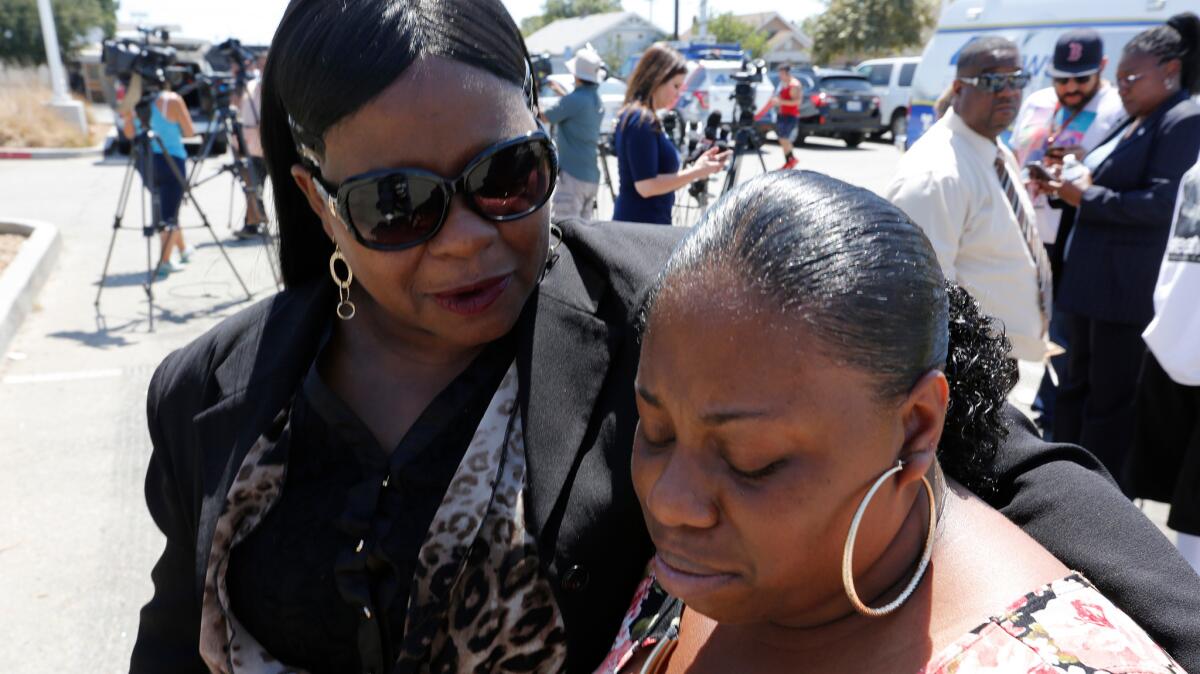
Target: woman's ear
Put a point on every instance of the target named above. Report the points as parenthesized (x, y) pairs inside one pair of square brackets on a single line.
[(923, 414), (307, 184), (1173, 69)]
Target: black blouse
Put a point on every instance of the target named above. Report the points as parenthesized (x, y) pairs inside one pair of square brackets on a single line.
[(297, 583)]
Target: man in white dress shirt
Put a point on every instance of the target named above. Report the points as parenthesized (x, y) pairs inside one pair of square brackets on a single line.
[(964, 189)]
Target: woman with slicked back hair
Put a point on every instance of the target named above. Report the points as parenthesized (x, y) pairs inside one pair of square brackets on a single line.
[(814, 500), (416, 457)]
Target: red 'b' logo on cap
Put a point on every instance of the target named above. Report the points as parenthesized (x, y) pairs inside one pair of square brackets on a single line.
[(1075, 53)]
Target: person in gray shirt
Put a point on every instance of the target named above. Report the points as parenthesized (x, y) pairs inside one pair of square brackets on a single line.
[(576, 117)]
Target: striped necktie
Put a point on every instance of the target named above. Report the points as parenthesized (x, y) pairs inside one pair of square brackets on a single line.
[(1032, 241)]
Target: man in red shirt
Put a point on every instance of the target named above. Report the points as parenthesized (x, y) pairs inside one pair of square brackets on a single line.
[(787, 97)]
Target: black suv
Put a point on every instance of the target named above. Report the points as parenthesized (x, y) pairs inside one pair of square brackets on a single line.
[(837, 104)]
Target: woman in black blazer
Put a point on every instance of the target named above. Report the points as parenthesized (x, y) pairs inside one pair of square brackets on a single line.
[(416, 457), (1116, 247)]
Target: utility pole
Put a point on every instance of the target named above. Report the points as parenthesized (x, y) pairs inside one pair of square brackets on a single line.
[(675, 35), (62, 103)]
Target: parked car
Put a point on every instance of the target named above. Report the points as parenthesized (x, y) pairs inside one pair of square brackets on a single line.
[(892, 80), (612, 96), (839, 104), (709, 88)]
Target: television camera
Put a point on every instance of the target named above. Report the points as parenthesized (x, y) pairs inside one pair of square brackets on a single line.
[(126, 58)]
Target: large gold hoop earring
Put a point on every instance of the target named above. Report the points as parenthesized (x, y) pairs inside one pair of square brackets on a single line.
[(345, 308), (848, 552)]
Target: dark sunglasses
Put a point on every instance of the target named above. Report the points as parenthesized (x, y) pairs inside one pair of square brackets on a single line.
[(394, 209), (997, 82), (1077, 79)]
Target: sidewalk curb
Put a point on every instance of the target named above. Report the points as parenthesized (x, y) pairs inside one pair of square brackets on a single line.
[(51, 152), (25, 276)]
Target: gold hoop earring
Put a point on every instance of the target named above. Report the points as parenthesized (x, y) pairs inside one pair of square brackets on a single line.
[(848, 552), (345, 308)]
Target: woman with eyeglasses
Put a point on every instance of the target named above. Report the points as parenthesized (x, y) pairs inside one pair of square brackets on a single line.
[(1124, 209), (416, 457), (647, 161), (814, 501)]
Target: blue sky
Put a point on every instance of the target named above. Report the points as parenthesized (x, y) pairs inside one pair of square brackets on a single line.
[(253, 21)]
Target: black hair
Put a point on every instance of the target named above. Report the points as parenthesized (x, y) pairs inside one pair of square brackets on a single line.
[(980, 51), (865, 282), (1178, 38), (329, 59)]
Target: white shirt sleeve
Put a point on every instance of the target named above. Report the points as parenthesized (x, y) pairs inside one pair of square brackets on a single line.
[(937, 207)]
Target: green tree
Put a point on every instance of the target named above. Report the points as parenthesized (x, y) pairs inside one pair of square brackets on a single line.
[(852, 28), (729, 28), (21, 29), (553, 10)]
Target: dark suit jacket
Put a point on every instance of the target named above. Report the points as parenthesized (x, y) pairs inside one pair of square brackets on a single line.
[(209, 401), (1121, 228)]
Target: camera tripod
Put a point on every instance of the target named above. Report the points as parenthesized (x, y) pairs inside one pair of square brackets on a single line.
[(228, 126), (606, 151), (746, 141), (142, 154)]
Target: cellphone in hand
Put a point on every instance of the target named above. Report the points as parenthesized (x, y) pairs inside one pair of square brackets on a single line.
[(1039, 172)]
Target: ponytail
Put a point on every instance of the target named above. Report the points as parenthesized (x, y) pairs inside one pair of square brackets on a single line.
[(981, 374), (1188, 27), (1177, 39)]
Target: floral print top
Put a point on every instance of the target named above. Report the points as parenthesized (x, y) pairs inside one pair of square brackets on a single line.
[(1064, 627)]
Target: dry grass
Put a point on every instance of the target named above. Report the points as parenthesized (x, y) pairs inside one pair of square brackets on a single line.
[(9, 245), (26, 122)]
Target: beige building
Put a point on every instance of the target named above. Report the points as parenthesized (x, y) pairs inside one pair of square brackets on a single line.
[(616, 35)]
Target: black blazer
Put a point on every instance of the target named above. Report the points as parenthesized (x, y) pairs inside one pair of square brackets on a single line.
[(1121, 228), (209, 401)]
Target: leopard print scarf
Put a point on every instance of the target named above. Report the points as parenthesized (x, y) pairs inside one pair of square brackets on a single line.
[(479, 599)]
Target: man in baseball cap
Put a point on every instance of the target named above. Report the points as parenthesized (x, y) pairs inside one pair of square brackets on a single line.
[(1071, 116), (576, 118)]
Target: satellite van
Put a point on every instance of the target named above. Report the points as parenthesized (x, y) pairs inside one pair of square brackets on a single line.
[(1035, 26)]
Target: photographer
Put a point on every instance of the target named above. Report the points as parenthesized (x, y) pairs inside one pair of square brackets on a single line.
[(577, 117), (647, 161), (171, 123), (787, 99), (249, 104)]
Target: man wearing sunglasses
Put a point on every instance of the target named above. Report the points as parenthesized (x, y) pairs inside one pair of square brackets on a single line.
[(1071, 117), (963, 188)]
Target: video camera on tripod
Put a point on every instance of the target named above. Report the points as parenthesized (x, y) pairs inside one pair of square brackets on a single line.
[(127, 58), (147, 68), (233, 50), (744, 92), (542, 68)]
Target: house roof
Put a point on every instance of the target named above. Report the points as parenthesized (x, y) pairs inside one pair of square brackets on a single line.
[(760, 21), (557, 37)]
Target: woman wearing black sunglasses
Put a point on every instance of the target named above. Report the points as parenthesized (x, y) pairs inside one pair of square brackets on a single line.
[(416, 458)]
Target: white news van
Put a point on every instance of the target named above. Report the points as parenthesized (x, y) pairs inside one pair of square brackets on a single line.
[(1035, 26)]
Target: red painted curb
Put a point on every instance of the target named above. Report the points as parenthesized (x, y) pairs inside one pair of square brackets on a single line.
[(16, 155)]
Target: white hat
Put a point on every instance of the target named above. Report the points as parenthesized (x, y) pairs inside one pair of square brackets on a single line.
[(587, 64)]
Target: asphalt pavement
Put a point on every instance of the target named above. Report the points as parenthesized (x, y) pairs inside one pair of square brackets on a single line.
[(76, 542)]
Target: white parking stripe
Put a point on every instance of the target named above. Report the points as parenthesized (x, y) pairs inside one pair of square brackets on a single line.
[(60, 376)]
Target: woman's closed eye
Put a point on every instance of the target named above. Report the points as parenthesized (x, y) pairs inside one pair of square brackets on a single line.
[(756, 474), (655, 439)]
